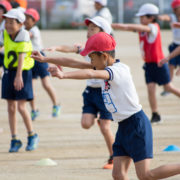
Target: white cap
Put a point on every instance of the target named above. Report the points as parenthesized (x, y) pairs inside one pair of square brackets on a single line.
[(102, 2), (148, 8), (100, 22), (15, 14)]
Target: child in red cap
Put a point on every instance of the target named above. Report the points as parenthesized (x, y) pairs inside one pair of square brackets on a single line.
[(134, 135), (39, 69)]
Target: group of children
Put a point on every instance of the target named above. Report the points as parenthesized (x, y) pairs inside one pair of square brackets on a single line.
[(110, 92)]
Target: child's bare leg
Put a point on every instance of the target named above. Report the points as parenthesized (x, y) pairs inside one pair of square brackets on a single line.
[(107, 133), (169, 87), (25, 115), (152, 96), (178, 71), (87, 120), (49, 89), (165, 171), (120, 168), (32, 102), (171, 70), (12, 116)]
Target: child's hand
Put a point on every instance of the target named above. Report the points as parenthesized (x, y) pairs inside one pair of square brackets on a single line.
[(56, 72), (74, 24), (175, 25), (52, 49), (163, 61), (81, 46), (18, 83), (37, 56)]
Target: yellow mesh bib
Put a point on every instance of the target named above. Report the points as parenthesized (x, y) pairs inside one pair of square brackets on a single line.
[(12, 50)]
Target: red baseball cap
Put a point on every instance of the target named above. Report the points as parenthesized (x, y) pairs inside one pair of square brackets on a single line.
[(175, 4), (33, 13), (6, 5), (99, 42)]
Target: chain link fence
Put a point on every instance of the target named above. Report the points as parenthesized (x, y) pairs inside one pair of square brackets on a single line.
[(60, 13)]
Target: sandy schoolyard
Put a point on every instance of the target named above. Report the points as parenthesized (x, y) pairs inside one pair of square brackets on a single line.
[(80, 154)]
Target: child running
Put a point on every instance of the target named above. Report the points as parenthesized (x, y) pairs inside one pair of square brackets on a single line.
[(17, 78), (92, 98), (134, 135), (151, 48), (173, 18), (39, 69)]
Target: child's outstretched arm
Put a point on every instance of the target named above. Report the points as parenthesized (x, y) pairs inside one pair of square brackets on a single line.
[(62, 61), (164, 17), (131, 27), (80, 74), (175, 25), (18, 81), (173, 54), (64, 48)]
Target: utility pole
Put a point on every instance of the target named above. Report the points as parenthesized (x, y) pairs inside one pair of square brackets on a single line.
[(120, 11), (43, 14)]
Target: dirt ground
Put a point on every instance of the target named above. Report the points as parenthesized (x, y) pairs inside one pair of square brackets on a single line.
[(80, 153)]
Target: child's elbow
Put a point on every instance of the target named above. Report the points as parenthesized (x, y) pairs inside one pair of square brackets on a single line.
[(91, 74)]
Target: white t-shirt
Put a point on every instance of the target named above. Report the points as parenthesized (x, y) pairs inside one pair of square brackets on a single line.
[(94, 83), (36, 38), (119, 93), (175, 31), (23, 35), (105, 13), (153, 34), (2, 26)]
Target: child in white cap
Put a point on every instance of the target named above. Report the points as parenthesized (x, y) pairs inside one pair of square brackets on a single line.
[(102, 10), (92, 98), (17, 78)]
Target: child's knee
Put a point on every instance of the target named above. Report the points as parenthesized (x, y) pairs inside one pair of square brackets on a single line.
[(12, 108), (104, 128), (46, 85), (21, 107), (86, 124), (145, 175), (168, 87), (119, 175)]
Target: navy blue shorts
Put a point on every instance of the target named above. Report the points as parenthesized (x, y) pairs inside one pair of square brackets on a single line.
[(176, 60), (155, 74), (40, 69), (94, 104), (8, 91), (134, 138), (1, 59)]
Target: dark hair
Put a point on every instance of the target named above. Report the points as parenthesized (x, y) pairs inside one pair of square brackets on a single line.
[(152, 16), (101, 30), (3, 8), (111, 53), (18, 21)]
